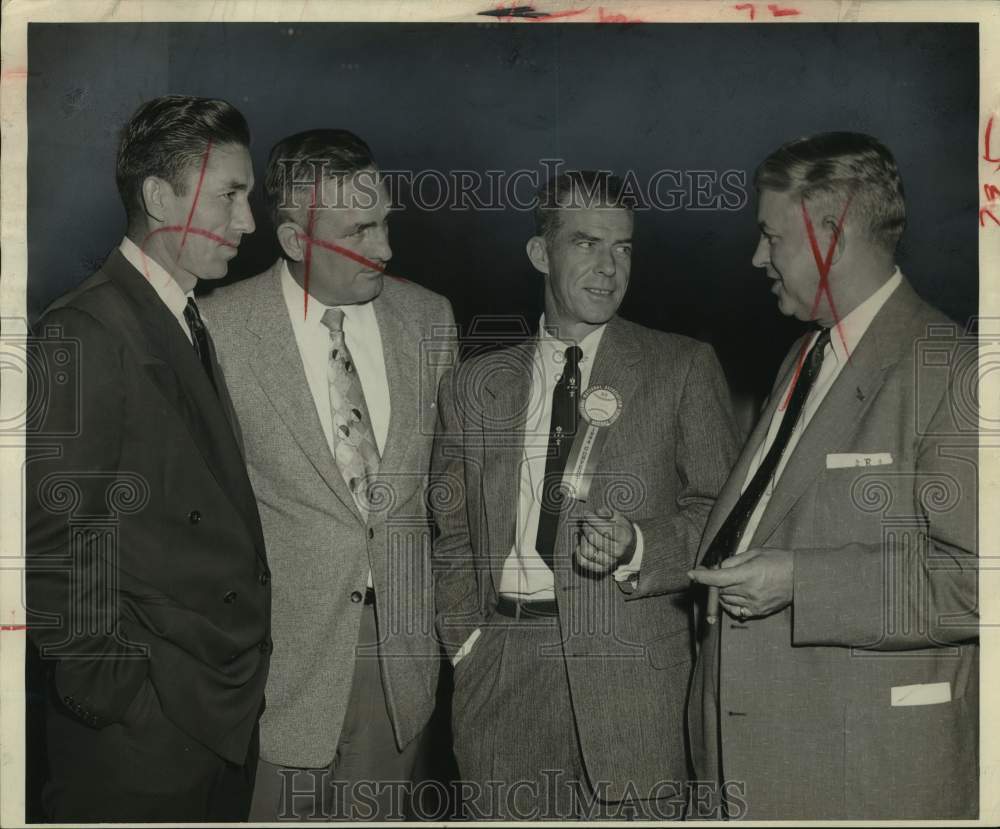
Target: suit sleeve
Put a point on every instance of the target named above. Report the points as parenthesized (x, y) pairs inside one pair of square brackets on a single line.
[(705, 448), (73, 454), (459, 609), (918, 588)]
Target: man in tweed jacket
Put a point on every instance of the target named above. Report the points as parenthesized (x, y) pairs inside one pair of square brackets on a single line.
[(355, 663)]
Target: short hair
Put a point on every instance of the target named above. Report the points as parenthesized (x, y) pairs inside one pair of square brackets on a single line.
[(166, 137), (302, 160), (577, 189), (838, 165)]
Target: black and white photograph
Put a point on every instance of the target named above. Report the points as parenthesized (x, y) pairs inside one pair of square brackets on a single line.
[(498, 412)]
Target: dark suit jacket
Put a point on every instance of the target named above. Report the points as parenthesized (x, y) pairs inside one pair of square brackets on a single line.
[(628, 657), (885, 596), (145, 553)]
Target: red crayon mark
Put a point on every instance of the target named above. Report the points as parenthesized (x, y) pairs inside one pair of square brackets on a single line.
[(745, 6), (197, 191), (604, 17), (777, 11), (13, 627), (986, 145), (983, 213), (823, 265), (557, 15), (15, 74), (310, 225), (992, 193)]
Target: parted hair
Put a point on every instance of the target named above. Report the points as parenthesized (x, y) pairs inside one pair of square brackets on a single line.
[(577, 189), (166, 137), (832, 167), (302, 161)]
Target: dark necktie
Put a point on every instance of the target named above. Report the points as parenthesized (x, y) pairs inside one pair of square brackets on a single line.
[(562, 428), (199, 338), (727, 539)]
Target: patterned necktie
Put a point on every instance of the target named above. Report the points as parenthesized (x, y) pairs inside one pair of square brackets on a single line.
[(199, 338), (561, 432), (354, 448), (727, 539)]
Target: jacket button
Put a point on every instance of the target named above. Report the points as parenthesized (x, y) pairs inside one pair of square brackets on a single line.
[(194, 516), (371, 533), (264, 578), (356, 597), (230, 597)]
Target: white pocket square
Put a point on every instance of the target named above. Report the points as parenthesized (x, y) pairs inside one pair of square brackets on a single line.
[(930, 693), (843, 460)]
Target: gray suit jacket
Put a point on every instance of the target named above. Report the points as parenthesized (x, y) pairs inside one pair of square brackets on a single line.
[(885, 596), (628, 658), (319, 546)]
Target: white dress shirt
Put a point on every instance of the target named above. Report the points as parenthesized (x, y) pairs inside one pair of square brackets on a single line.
[(363, 340), (525, 575), (163, 283), (844, 338)]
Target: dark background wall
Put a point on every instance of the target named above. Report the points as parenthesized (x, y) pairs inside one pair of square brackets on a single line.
[(503, 96), (497, 96)]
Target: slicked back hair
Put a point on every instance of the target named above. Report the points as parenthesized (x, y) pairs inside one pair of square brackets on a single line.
[(302, 161), (166, 137), (831, 167), (577, 189)]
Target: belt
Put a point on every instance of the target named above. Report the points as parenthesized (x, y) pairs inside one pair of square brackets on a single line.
[(522, 609)]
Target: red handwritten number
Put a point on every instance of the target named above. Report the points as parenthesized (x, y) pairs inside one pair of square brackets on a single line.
[(777, 11), (744, 6)]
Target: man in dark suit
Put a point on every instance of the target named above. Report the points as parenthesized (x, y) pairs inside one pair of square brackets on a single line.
[(148, 587), (569, 684), (334, 374), (842, 683)]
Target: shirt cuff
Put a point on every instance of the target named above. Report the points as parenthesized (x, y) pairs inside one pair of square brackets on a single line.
[(466, 647), (628, 571)]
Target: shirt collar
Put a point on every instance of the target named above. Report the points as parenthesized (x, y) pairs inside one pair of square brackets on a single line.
[(310, 314), (160, 280), (846, 335), (554, 348)]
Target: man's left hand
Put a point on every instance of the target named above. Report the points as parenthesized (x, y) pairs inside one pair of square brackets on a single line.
[(606, 541), (752, 584)]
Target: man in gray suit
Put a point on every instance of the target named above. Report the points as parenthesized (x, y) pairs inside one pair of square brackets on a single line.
[(842, 681), (327, 362), (569, 684)]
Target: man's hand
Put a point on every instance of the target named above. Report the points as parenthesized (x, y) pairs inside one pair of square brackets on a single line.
[(606, 541), (759, 580)]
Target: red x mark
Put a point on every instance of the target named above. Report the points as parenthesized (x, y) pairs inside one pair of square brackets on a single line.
[(823, 264), (308, 236)]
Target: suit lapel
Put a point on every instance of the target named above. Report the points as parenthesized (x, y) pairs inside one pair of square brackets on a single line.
[(173, 366), (400, 364), (614, 364), (733, 487), (840, 412), (277, 364)]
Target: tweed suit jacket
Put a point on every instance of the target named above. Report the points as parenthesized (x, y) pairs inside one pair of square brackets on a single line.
[(802, 702), (319, 544), (628, 657)]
